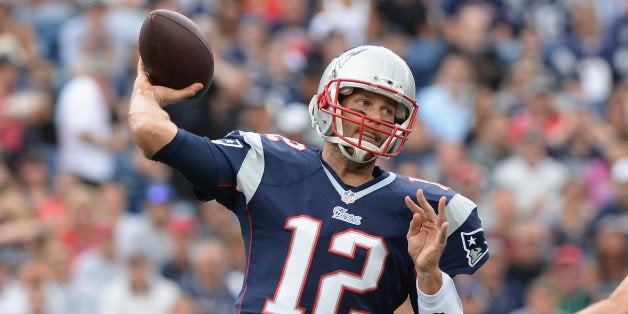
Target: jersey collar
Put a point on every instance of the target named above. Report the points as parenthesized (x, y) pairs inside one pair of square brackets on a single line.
[(349, 194)]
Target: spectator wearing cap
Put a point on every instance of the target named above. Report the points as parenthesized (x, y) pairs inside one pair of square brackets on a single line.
[(149, 228), (565, 272)]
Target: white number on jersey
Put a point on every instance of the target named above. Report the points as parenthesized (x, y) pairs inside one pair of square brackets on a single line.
[(300, 254)]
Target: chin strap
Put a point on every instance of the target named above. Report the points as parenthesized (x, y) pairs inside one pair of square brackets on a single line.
[(358, 155)]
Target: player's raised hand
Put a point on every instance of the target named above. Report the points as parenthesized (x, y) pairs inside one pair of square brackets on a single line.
[(427, 234), (150, 125), (142, 88)]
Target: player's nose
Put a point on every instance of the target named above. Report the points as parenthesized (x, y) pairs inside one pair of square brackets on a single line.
[(377, 113)]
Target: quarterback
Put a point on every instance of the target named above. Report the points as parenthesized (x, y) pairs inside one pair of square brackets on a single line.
[(328, 231)]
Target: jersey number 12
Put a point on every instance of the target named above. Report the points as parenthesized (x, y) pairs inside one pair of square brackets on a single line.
[(305, 233)]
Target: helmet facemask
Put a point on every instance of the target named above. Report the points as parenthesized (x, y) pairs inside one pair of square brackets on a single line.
[(373, 69), (358, 149)]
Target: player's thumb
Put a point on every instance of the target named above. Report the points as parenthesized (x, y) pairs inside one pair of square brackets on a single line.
[(193, 89), (187, 92)]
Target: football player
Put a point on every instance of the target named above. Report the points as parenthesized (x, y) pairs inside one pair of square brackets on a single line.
[(327, 231)]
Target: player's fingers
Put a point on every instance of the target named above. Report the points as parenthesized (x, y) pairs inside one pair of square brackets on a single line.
[(194, 88), (425, 205), (180, 94), (414, 207), (442, 239), (442, 209), (415, 224)]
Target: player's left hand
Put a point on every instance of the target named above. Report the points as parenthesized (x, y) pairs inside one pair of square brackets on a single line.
[(427, 235)]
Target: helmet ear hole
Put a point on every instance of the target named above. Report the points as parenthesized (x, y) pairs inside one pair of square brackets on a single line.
[(402, 113), (321, 121)]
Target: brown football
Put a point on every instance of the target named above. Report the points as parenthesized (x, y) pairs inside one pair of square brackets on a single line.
[(174, 51)]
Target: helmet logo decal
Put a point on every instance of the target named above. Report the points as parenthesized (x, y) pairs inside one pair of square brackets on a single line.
[(342, 214), (346, 56), (348, 197)]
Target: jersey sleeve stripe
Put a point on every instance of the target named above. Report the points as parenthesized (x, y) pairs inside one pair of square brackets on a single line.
[(252, 169), (458, 210)]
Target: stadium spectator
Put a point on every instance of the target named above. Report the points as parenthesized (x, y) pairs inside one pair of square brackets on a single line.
[(183, 228), (448, 103), (542, 296), (519, 47), (575, 212), (95, 268), (140, 289), (83, 122), (528, 244), (149, 228), (206, 285), (532, 175), (609, 264), (565, 271), (502, 296)]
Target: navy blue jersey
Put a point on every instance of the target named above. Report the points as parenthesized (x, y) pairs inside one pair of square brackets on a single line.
[(314, 244)]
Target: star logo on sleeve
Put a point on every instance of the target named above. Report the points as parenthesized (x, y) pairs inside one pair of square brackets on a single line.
[(471, 241), (475, 244)]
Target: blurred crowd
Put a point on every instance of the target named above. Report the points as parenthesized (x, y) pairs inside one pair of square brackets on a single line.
[(523, 109)]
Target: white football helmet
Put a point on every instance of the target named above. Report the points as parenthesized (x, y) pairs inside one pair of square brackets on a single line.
[(371, 68)]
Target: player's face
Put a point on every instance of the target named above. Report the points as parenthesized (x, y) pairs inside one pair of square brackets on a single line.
[(376, 108)]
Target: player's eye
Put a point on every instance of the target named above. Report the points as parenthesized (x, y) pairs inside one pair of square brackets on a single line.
[(387, 111), (363, 102)]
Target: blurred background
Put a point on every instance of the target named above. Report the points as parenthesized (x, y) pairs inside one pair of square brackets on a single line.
[(523, 109)]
